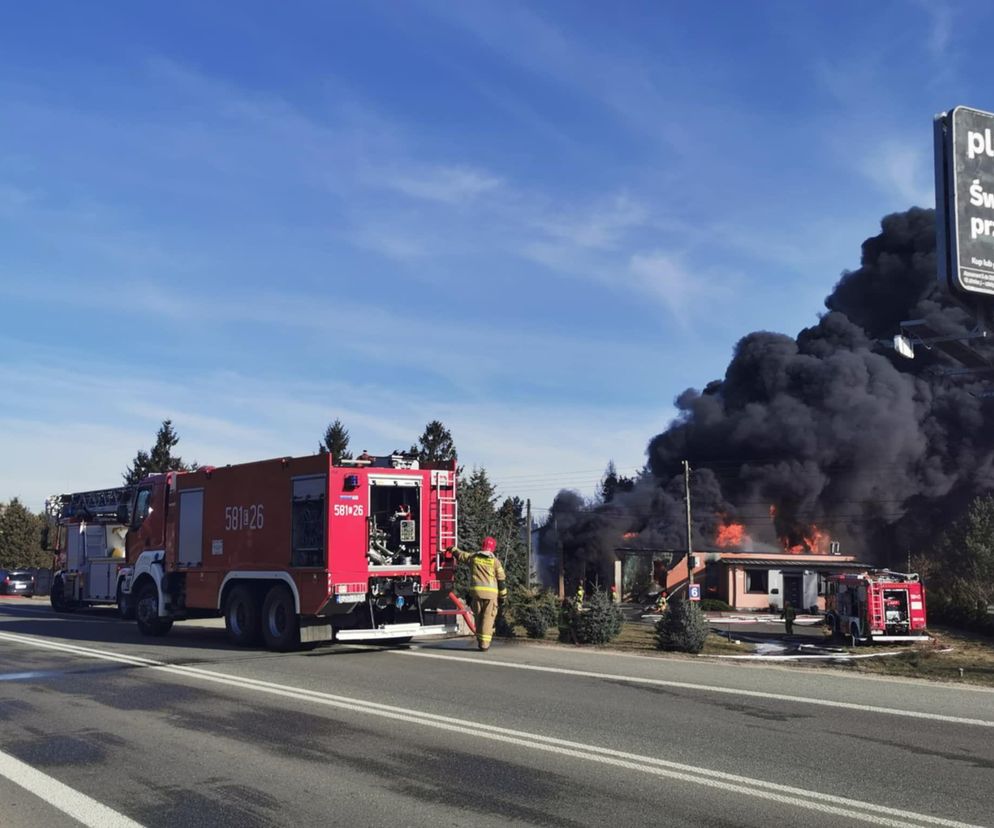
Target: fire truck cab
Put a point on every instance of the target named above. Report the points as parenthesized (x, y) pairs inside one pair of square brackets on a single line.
[(295, 550), (876, 606)]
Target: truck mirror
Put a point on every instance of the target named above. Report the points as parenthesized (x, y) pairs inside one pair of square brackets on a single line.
[(123, 515)]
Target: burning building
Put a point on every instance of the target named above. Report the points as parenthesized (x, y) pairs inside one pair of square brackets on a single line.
[(826, 437)]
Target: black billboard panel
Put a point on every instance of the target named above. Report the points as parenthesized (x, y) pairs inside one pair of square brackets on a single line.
[(964, 148)]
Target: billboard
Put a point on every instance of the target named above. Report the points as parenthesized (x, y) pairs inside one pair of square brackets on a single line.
[(964, 200)]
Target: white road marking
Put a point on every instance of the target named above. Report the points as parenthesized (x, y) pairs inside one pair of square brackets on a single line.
[(784, 794), (78, 805), (708, 688)]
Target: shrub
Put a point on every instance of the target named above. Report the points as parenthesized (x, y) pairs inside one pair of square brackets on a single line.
[(682, 628), (548, 605), (534, 620), (600, 622), (504, 625), (567, 620), (535, 610), (714, 605)]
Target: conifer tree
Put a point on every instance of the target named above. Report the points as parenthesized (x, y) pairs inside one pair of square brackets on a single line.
[(336, 442), (435, 445), (159, 459), (20, 537), (600, 620), (682, 628)]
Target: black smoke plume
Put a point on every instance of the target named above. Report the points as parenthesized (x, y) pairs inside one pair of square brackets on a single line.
[(831, 428)]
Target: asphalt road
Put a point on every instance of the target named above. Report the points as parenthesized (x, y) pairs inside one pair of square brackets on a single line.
[(113, 729)]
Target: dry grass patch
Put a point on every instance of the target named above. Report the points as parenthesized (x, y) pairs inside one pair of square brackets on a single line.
[(637, 637), (951, 655)]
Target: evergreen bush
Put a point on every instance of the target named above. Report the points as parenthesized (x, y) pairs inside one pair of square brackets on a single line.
[(682, 628), (504, 624), (714, 605), (567, 619), (548, 604), (535, 610), (534, 620), (600, 622)]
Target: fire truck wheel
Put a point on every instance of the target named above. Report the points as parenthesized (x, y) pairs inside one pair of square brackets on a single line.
[(280, 624), (241, 616), (854, 634), (57, 596), (125, 605), (833, 625), (147, 612)]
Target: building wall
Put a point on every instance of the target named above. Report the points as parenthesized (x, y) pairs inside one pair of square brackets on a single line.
[(737, 597)]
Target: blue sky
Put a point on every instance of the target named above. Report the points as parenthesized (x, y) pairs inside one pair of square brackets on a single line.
[(538, 222)]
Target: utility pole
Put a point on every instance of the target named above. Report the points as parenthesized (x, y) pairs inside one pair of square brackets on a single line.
[(528, 529), (559, 547), (690, 541)]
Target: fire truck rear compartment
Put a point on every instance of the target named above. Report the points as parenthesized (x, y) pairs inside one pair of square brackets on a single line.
[(394, 536), (896, 614)]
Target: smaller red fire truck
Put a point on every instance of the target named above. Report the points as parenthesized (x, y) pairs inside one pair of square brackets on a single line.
[(876, 606), (89, 542)]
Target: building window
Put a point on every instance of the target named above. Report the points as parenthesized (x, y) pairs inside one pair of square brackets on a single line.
[(757, 580)]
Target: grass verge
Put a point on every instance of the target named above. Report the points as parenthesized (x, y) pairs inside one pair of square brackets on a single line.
[(951, 656)]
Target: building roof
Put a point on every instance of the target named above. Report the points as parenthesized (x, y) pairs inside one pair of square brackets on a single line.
[(813, 562)]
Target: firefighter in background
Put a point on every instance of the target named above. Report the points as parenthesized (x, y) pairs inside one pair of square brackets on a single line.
[(488, 585), (789, 614), (662, 602)]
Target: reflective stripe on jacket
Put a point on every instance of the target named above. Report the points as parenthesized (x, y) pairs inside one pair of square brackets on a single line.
[(487, 578)]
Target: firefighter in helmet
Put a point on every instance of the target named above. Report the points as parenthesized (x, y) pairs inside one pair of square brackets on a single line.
[(488, 585), (662, 601)]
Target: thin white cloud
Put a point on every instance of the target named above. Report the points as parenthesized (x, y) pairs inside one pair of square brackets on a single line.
[(619, 79), (939, 19), (901, 170), (449, 185), (602, 226)]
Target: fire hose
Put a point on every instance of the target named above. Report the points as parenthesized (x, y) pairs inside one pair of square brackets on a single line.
[(463, 610)]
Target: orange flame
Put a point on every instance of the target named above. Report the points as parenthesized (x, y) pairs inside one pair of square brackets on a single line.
[(813, 540), (731, 534), (816, 541)]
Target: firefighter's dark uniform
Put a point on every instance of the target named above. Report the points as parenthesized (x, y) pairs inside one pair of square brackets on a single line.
[(488, 586), (789, 614)]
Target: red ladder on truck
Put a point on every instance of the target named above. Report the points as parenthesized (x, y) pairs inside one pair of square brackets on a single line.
[(874, 611), (445, 516), (445, 513)]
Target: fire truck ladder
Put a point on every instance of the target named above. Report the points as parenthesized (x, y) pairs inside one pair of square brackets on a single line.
[(94, 503), (446, 515), (874, 610)]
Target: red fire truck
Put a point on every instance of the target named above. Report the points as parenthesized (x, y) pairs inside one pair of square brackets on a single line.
[(294, 550), (876, 606)]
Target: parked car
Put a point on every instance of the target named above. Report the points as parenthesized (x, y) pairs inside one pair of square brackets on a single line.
[(16, 582)]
